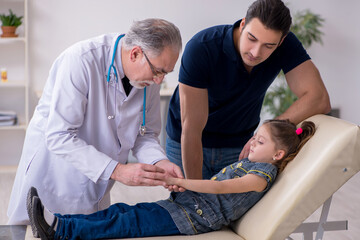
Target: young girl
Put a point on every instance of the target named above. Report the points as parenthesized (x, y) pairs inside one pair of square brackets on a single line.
[(206, 206)]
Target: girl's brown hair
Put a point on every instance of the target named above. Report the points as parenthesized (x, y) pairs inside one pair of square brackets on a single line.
[(286, 137)]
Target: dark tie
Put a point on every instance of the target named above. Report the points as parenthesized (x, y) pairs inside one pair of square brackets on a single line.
[(126, 84)]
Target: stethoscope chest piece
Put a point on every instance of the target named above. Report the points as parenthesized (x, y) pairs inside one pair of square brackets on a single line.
[(142, 130)]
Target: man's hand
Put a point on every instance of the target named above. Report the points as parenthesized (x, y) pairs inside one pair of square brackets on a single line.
[(245, 151), (139, 174), (172, 171)]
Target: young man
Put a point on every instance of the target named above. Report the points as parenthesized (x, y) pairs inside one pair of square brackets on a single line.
[(223, 78)]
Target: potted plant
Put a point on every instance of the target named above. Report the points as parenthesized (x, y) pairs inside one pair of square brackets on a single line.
[(9, 24), (306, 26)]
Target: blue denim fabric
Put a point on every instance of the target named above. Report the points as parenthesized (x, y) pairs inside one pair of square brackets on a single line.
[(195, 212), (118, 221), (184, 212), (214, 159)]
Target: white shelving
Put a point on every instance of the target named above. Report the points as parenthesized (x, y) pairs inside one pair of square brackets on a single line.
[(14, 94), (13, 84)]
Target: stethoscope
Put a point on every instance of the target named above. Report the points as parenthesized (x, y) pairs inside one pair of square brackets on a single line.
[(142, 128)]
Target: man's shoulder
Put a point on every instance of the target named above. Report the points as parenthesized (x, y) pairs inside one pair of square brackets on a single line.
[(99, 41), (291, 41), (84, 46), (211, 33), (290, 53)]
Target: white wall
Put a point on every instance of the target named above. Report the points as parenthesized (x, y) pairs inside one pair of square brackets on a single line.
[(55, 25)]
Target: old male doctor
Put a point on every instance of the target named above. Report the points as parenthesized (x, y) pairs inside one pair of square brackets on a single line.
[(98, 103)]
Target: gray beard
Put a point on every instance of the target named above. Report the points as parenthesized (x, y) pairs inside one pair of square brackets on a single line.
[(139, 84)]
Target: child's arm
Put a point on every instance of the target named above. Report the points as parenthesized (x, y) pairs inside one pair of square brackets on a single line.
[(247, 183)]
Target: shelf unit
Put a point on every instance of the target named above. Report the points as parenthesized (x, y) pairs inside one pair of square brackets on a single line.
[(14, 94)]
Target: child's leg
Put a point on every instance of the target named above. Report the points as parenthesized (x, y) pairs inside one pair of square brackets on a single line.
[(119, 221), (106, 213)]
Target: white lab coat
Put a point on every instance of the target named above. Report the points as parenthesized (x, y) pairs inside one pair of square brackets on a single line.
[(71, 148)]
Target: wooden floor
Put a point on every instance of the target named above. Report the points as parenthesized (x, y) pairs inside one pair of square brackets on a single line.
[(345, 204)]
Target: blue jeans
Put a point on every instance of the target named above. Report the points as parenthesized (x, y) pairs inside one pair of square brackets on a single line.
[(118, 221), (214, 159)]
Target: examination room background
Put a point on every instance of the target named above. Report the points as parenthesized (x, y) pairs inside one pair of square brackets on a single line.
[(55, 25)]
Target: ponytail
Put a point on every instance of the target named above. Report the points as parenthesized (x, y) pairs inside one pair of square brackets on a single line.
[(286, 136)]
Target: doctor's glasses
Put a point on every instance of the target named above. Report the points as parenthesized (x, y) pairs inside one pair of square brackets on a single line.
[(157, 72)]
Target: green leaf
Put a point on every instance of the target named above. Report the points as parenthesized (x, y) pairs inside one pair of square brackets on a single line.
[(11, 19)]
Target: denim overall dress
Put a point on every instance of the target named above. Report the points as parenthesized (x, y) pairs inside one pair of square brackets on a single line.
[(195, 212)]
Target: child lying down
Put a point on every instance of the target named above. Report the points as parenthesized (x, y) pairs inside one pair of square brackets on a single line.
[(206, 206)]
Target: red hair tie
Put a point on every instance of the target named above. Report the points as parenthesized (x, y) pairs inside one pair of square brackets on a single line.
[(299, 131)]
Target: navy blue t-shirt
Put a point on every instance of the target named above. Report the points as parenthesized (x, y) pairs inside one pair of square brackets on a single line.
[(211, 61)]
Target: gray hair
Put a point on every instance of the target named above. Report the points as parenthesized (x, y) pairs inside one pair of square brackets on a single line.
[(153, 35)]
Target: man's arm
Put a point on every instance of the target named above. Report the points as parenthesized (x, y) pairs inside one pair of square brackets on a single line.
[(194, 109), (306, 83)]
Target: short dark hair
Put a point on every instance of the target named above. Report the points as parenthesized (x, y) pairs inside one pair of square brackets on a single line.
[(272, 13)]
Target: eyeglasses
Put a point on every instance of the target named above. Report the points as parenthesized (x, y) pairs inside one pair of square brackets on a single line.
[(155, 71)]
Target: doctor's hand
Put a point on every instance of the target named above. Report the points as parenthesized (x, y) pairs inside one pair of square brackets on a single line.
[(172, 170), (138, 174), (245, 151)]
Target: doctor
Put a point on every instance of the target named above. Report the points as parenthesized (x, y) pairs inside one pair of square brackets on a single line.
[(99, 103)]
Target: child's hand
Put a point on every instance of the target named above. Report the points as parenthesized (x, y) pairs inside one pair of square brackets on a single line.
[(172, 184), (173, 174)]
